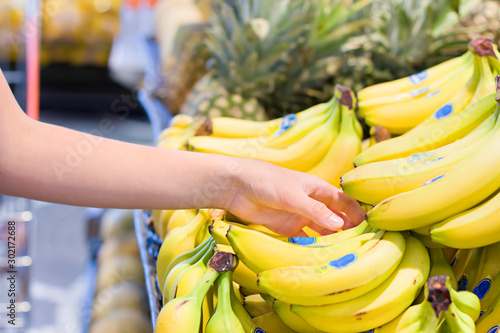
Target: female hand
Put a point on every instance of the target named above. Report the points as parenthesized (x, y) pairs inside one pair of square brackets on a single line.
[(286, 201)]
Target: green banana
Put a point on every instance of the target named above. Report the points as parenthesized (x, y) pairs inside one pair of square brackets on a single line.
[(174, 270), (224, 320)]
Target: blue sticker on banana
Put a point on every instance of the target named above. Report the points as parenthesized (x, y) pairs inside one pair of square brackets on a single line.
[(258, 330), (339, 263), (303, 241), (432, 180), (418, 77), (444, 111), (482, 288), (287, 122)]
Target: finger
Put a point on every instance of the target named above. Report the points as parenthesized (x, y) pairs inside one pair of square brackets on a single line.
[(338, 200), (316, 211), (348, 224)]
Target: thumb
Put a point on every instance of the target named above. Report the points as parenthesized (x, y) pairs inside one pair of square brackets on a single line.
[(319, 213)]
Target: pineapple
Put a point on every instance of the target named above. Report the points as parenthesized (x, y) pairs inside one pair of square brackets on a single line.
[(279, 54), (210, 98), (483, 20)]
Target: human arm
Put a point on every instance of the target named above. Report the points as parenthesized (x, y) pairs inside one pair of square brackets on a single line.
[(50, 163)]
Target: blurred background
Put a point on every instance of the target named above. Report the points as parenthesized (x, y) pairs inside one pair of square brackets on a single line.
[(136, 63)]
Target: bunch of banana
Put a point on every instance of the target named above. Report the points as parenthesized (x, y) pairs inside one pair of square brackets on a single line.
[(337, 283), (431, 95), (457, 206), (322, 140), (442, 309), (184, 314)]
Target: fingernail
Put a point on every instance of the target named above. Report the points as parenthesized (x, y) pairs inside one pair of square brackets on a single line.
[(335, 222)]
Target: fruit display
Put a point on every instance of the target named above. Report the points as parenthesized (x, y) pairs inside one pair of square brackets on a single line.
[(407, 268), (358, 280), (120, 301)]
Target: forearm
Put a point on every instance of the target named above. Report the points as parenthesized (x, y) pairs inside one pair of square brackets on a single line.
[(55, 164)]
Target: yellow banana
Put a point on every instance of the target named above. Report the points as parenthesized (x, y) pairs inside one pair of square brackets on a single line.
[(400, 117), (430, 137), (339, 280), (219, 229), (418, 318), (484, 87), (414, 81), (156, 213), (472, 228), (250, 245), (247, 279), (338, 160), (460, 100), (301, 155), (476, 88), (371, 183), (368, 105), (178, 218), (380, 305), (181, 121), (395, 212), (225, 127)]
